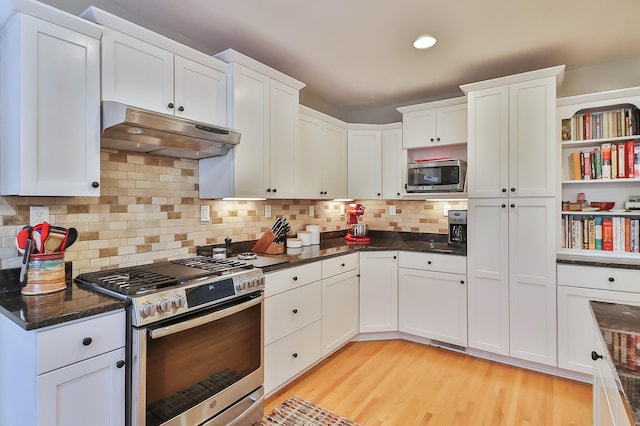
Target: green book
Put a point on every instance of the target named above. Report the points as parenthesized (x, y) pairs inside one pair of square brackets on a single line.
[(598, 242), (598, 163)]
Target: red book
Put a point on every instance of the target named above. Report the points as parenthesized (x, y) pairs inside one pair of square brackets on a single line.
[(587, 165), (607, 234), (587, 125), (629, 160)]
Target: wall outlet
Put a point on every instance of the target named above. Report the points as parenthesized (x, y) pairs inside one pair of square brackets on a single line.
[(392, 210), (205, 213), (446, 209), (312, 211), (38, 214), (341, 209), (267, 211)]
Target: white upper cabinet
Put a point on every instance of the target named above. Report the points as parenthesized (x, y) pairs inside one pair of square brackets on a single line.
[(365, 164), (394, 164), (144, 69), (264, 106), (321, 157), (512, 128), (50, 103), (434, 123)]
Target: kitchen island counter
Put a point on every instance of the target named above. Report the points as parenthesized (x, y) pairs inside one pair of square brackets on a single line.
[(620, 327)]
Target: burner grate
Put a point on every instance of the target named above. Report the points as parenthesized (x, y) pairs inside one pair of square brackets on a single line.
[(217, 266), (129, 280)]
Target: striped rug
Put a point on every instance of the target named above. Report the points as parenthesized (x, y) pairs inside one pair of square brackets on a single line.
[(298, 412)]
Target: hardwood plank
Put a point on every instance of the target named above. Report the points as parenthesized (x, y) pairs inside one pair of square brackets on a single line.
[(396, 382)]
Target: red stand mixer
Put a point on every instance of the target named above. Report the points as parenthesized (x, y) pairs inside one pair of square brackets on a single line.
[(356, 232)]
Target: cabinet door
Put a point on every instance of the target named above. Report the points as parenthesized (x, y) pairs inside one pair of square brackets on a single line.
[(452, 124), (136, 73), (284, 107), (365, 164), (308, 168), (488, 275), (339, 310), (333, 157), (378, 291), (532, 136), (290, 311), (50, 124), (488, 146), (87, 392), (250, 115), (576, 327), (433, 305), (394, 161), (532, 279), (419, 129), (200, 91)]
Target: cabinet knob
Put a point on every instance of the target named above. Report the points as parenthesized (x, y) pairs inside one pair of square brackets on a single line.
[(180, 108), (513, 205), (275, 190), (513, 190), (87, 341), (170, 105), (428, 262), (395, 257), (268, 189), (504, 206), (438, 139), (321, 193), (295, 278), (611, 279), (504, 189), (120, 364), (295, 311), (431, 139), (398, 194), (343, 265), (595, 356), (461, 281), (95, 184), (379, 194), (295, 354)]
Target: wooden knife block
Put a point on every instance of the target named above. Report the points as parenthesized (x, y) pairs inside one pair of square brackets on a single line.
[(267, 245)]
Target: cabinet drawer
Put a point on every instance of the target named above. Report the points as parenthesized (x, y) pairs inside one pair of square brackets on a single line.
[(599, 277), (337, 265), (81, 340), (285, 358), (290, 278), (433, 262), (291, 310)]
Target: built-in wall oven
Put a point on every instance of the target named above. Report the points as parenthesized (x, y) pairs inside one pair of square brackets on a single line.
[(195, 340)]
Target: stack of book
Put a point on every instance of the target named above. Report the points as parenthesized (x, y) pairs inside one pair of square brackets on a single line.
[(606, 233), (615, 123), (608, 161)]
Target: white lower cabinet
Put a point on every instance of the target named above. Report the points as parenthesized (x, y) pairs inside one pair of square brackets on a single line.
[(64, 375), (577, 285), (339, 302), (378, 291), (433, 304)]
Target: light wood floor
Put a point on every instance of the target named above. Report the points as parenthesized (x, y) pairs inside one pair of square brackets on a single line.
[(396, 382)]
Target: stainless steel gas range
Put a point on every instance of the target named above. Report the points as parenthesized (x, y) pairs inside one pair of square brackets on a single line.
[(195, 340)]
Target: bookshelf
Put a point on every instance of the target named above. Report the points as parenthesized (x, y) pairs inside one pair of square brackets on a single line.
[(589, 124)]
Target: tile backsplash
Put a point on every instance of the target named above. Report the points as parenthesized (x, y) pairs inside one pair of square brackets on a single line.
[(149, 211)]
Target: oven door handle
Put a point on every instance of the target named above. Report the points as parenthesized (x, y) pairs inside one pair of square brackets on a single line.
[(204, 319)]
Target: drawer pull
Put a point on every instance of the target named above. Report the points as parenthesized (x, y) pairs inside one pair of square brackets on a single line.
[(295, 311), (611, 279), (461, 281), (87, 341), (595, 356), (295, 354), (342, 264), (428, 262), (295, 278), (120, 364)]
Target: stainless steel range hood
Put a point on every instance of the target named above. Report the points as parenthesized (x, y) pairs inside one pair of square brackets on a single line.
[(134, 129)]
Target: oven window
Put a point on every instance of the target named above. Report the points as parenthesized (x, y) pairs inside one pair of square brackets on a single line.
[(188, 367), (444, 175)]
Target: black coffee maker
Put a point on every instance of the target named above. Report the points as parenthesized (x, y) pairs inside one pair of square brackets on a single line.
[(458, 228)]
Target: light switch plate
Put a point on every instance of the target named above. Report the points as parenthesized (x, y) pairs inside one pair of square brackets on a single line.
[(446, 209), (205, 213), (267, 211), (341, 209), (392, 210), (312, 211)]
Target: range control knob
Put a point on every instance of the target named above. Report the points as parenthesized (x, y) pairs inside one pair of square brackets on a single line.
[(177, 301), (163, 306), (147, 309)]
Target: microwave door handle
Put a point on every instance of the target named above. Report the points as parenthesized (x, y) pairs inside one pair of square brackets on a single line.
[(156, 333)]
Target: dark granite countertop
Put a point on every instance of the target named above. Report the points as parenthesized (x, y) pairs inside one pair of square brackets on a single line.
[(33, 312), (332, 244), (620, 328)]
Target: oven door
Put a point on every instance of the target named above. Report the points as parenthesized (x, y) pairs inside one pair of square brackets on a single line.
[(189, 370)]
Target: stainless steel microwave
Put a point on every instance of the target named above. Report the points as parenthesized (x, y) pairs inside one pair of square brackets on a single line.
[(436, 176)]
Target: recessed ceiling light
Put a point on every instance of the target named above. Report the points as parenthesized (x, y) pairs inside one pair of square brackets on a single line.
[(424, 42)]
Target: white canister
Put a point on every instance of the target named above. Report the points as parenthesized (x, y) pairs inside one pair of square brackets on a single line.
[(294, 243), (315, 233), (305, 237)]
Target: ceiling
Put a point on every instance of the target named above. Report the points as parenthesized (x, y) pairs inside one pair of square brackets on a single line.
[(356, 56)]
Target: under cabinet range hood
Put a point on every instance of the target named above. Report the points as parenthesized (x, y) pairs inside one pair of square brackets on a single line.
[(134, 129)]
